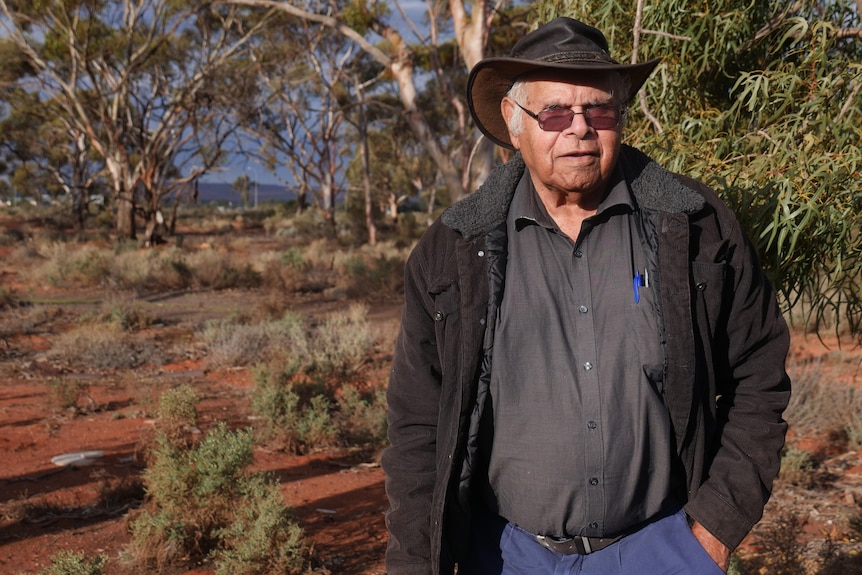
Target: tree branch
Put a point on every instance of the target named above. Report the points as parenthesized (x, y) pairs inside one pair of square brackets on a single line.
[(635, 48), (330, 21)]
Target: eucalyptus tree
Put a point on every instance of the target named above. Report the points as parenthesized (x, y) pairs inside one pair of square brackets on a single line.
[(762, 99), (300, 119), (453, 40), (146, 83)]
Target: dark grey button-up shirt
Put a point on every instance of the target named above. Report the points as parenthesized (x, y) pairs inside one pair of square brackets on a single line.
[(582, 439)]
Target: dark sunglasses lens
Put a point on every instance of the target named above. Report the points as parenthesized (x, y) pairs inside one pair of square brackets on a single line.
[(602, 118), (555, 120)]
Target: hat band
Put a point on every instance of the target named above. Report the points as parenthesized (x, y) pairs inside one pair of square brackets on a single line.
[(576, 57)]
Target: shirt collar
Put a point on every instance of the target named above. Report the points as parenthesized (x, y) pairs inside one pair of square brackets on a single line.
[(526, 209)]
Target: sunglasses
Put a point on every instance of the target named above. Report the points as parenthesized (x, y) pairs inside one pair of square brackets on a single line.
[(599, 117)]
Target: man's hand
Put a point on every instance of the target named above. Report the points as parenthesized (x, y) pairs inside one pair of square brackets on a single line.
[(719, 552)]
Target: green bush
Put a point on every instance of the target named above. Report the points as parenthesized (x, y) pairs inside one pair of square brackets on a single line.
[(178, 411), (202, 502), (301, 415), (362, 420), (294, 409), (263, 538), (71, 563)]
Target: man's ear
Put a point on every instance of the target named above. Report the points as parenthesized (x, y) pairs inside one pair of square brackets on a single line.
[(507, 108)]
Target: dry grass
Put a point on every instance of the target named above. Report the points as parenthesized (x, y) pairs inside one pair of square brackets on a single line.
[(822, 401), (102, 346)]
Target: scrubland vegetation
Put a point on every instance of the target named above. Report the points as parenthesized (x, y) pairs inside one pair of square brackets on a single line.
[(318, 383), (318, 380)]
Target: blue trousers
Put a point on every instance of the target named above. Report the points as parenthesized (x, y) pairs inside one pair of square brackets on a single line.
[(664, 547)]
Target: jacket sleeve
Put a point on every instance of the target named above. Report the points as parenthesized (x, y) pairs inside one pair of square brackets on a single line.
[(413, 398), (752, 388)]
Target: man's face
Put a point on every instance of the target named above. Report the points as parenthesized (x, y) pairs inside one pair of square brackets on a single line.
[(578, 160)]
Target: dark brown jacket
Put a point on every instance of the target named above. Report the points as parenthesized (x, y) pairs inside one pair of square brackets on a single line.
[(723, 337)]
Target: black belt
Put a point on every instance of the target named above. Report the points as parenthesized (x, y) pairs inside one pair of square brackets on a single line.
[(576, 545)]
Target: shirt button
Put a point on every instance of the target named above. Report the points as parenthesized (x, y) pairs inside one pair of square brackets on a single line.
[(588, 366), (481, 253), (594, 525), (579, 254), (594, 481), (438, 316), (592, 424), (582, 309)]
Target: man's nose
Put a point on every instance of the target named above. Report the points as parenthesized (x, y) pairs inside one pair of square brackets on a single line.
[(580, 127)]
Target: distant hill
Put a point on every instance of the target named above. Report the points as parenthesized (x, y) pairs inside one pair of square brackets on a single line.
[(223, 193)]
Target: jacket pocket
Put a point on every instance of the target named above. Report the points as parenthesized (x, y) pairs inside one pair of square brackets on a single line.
[(708, 281), (445, 313)]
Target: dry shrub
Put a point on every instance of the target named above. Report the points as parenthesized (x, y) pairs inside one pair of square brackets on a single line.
[(821, 399), (65, 393), (797, 467), (781, 555), (102, 346), (308, 226), (233, 344), (118, 493), (217, 270), (372, 273), (288, 271), (16, 510), (72, 265), (127, 314), (341, 343), (8, 298), (152, 270)]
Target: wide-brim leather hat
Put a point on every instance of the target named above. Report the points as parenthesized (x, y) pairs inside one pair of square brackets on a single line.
[(562, 44)]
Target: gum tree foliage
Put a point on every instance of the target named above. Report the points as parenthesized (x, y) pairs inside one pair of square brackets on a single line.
[(41, 153), (300, 120), (45, 154), (760, 99), (452, 39), (144, 85)]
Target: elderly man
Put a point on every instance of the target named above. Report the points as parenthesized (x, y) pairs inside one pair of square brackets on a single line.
[(589, 376)]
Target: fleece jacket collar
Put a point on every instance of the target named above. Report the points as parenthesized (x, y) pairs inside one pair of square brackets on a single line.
[(653, 188)]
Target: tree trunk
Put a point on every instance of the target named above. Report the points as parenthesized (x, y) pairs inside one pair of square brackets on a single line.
[(125, 217)]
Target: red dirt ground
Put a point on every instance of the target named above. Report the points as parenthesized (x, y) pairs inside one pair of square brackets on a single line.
[(338, 496)]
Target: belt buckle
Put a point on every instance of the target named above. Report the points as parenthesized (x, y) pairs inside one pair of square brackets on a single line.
[(568, 546)]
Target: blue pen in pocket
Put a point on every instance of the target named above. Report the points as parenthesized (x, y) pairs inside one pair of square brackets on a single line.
[(637, 283)]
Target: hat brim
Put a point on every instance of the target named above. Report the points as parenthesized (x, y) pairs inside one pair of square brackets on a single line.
[(491, 79)]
